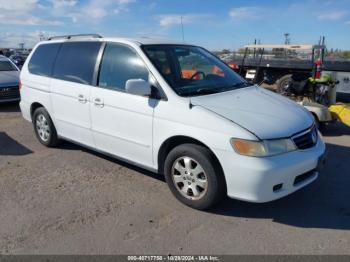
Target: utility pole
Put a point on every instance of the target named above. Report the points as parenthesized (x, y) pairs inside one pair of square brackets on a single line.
[(287, 39), (182, 30), (21, 46), (286, 42)]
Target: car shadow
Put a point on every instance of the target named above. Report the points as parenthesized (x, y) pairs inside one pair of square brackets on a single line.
[(71, 146), (335, 129), (10, 147), (323, 204), (9, 107)]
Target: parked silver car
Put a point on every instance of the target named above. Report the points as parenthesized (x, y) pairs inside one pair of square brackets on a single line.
[(9, 81)]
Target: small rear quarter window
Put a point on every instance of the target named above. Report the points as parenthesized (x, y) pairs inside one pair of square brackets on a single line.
[(42, 61)]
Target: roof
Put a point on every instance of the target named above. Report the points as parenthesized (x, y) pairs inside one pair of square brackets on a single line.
[(295, 47), (94, 37), (146, 41)]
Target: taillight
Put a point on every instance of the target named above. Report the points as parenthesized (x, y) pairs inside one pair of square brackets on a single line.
[(20, 85)]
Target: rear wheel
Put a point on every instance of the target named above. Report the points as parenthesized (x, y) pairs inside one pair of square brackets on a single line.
[(44, 128), (194, 176)]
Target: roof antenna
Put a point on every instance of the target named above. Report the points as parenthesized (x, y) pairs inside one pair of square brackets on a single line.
[(182, 29)]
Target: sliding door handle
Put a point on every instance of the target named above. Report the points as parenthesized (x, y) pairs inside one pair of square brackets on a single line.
[(82, 99), (98, 102)]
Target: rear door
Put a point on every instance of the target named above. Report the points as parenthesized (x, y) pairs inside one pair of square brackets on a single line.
[(122, 122), (71, 86)]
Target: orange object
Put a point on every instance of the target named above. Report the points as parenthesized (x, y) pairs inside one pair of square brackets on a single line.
[(242, 147), (187, 74), (218, 71), (233, 66)]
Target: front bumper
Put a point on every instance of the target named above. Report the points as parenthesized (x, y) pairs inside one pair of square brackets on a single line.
[(266, 179)]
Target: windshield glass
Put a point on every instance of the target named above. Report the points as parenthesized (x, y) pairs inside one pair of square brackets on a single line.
[(7, 66), (193, 71)]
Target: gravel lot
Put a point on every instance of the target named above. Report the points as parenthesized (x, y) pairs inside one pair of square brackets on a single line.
[(70, 200)]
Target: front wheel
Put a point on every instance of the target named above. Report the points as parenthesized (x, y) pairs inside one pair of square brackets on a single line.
[(194, 176)]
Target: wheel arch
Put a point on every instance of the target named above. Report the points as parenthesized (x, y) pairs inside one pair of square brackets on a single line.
[(34, 106), (175, 141)]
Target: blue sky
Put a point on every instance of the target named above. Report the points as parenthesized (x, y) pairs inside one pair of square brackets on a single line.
[(214, 24)]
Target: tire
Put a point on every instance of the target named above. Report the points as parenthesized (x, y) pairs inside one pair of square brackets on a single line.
[(200, 182), (44, 128), (282, 82)]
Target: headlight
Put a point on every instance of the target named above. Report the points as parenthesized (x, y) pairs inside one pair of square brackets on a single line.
[(262, 148)]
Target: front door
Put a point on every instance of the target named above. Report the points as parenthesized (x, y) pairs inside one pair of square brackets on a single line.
[(121, 122)]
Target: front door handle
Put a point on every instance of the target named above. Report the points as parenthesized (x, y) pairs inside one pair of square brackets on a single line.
[(82, 99), (98, 102)]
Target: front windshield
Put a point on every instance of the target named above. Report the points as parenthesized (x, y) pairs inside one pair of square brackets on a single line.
[(7, 66), (193, 71)]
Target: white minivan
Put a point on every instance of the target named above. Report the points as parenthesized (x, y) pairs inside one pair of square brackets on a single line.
[(175, 109)]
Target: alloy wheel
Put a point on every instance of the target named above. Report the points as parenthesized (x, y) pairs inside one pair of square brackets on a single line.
[(189, 178)]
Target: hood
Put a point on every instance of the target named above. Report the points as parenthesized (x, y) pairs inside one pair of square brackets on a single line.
[(9, 78), (264, 113)]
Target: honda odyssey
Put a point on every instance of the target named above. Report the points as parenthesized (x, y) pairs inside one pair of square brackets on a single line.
[(175, 109)]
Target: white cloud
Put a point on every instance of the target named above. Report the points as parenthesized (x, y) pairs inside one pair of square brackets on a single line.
[(56, 12), (175, 19), (332, 15), (63, 3), (20, 12), (18, 5), (244, 12), (96, 9), (27, 20), (11, 40), (124, 2)]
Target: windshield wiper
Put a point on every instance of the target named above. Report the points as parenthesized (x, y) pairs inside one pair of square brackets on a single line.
[(202, 91), (208, 91), (240, 85)]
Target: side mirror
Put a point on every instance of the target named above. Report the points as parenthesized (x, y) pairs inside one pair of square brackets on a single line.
[(138, 87)]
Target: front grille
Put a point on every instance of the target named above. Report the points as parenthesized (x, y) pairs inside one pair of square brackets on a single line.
[(307, 139), (7, 93)]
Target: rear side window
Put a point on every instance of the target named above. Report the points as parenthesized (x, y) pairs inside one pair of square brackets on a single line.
[(43, 59), (76, 62), (119, 64)]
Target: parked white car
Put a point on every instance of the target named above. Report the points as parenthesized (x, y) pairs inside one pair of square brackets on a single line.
[(174, 109)]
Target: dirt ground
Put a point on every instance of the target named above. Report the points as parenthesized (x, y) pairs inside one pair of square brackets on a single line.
[(70, 200)]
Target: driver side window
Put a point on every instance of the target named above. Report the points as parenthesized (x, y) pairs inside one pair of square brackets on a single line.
[(119, 64)]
